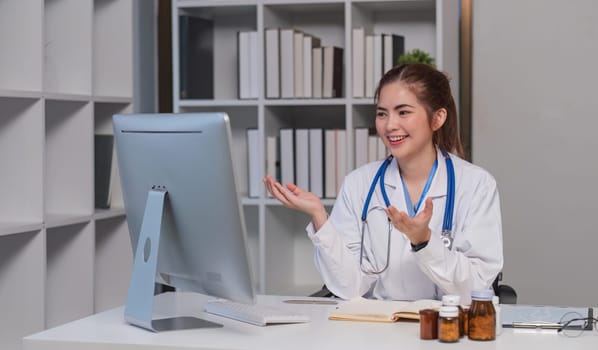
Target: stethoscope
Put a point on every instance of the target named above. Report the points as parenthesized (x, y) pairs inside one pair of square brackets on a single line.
[(447, 224)]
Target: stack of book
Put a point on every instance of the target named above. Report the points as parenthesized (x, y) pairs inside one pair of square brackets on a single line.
[(373, 55), (314, 159), (297, 66)]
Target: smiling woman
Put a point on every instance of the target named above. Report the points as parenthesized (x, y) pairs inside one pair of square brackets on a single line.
[(430, 222)]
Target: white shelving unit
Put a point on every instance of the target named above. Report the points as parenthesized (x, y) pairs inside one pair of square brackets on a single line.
[(65, 68), (281, 252)]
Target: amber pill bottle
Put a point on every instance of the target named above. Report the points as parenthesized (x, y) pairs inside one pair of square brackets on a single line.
[(482, 316), (455, 300), (448, 324), (428, 324)]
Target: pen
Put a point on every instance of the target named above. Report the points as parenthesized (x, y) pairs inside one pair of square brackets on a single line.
[(541, 325)]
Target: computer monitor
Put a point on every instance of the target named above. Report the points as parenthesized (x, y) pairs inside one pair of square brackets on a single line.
[(183, 211)]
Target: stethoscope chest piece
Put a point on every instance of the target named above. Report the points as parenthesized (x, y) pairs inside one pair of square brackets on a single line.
[(447, 238)]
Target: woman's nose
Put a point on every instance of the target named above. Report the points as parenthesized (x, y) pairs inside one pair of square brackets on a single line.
[(394, 122)]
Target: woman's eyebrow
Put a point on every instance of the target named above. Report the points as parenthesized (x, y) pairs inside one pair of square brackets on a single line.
[(402, 105)]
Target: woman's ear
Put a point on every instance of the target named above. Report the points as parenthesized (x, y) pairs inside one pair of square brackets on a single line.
[(438, 119)]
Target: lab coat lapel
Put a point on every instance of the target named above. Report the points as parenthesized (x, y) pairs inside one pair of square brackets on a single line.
[(438, 187), (394, 186)]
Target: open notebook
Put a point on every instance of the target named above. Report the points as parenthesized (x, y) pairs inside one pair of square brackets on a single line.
[(369, 310)]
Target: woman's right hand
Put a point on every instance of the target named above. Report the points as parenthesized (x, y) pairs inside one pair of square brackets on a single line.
[(294, 197)]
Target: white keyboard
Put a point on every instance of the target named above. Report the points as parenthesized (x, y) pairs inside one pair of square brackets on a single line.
[(257, 314)]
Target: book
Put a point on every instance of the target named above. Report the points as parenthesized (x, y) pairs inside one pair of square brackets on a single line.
[(361, 146), (104, 162), (370, 85), (382, 151), (377, 59), (253, 162), (196, 60), (272, 63), (302, 158), (340, 151), (316, 162), (316, 78), (394, 47), (243, 65), (287, 156), (287, 63), (332, 81), (371, 310), (358, 62), (298, 63), (309, 43), (373, 148), (272, 168), (329, 163), (253, 65)]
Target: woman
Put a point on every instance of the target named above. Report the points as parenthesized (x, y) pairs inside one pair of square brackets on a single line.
[(401, 252)]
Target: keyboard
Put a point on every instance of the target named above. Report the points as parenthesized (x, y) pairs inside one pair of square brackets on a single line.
[(257, 314)]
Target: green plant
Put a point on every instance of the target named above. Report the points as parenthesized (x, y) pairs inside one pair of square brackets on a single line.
[(416, 56)]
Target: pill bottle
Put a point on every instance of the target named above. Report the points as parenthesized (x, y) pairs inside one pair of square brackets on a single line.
[(448, 324), (428, 324), (482, 316), (455, 300), (496, 304), (465, 320)]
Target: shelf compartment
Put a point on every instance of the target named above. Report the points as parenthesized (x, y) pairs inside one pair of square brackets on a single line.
[(21, 58), (68, 46), (323, 20), (364, 116), (69, 168), (21, 124), (112, 276), (241, 119), (22, 269), (103, 113), (415, 20), (69, 273), (219, 70), (304, 116), (288, 254), (113, 48)]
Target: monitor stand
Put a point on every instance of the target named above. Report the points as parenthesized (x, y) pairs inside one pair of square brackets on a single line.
[(140, 299)]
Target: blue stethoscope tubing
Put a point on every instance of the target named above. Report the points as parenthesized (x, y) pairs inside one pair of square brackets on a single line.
[(447, 223)]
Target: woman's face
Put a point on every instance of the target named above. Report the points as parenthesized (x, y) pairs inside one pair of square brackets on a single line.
[(402, 122)]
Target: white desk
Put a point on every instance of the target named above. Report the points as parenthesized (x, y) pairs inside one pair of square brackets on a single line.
[(108, 330)]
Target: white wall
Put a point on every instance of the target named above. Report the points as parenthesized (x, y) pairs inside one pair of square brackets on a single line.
[(535, 126)]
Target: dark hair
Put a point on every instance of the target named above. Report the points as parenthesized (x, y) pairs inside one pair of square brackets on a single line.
[(432, 89)]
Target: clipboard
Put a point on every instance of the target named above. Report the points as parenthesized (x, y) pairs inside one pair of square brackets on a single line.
[(540, 317)]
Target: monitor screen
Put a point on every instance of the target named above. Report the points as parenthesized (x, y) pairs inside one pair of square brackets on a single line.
[(183, 209)]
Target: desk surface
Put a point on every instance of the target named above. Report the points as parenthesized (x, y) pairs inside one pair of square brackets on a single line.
[(108, 330)]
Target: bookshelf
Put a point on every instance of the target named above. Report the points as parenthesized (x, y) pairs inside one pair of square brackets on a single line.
[(65, 68), (281, 252)]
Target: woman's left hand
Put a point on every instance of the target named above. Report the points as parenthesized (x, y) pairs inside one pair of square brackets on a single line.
[(417, 228)]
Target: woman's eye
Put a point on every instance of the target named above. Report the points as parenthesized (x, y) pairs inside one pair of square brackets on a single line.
[(404, 113), (380, 114)]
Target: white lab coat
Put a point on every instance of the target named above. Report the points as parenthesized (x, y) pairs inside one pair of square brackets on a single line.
[(473, 263)]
